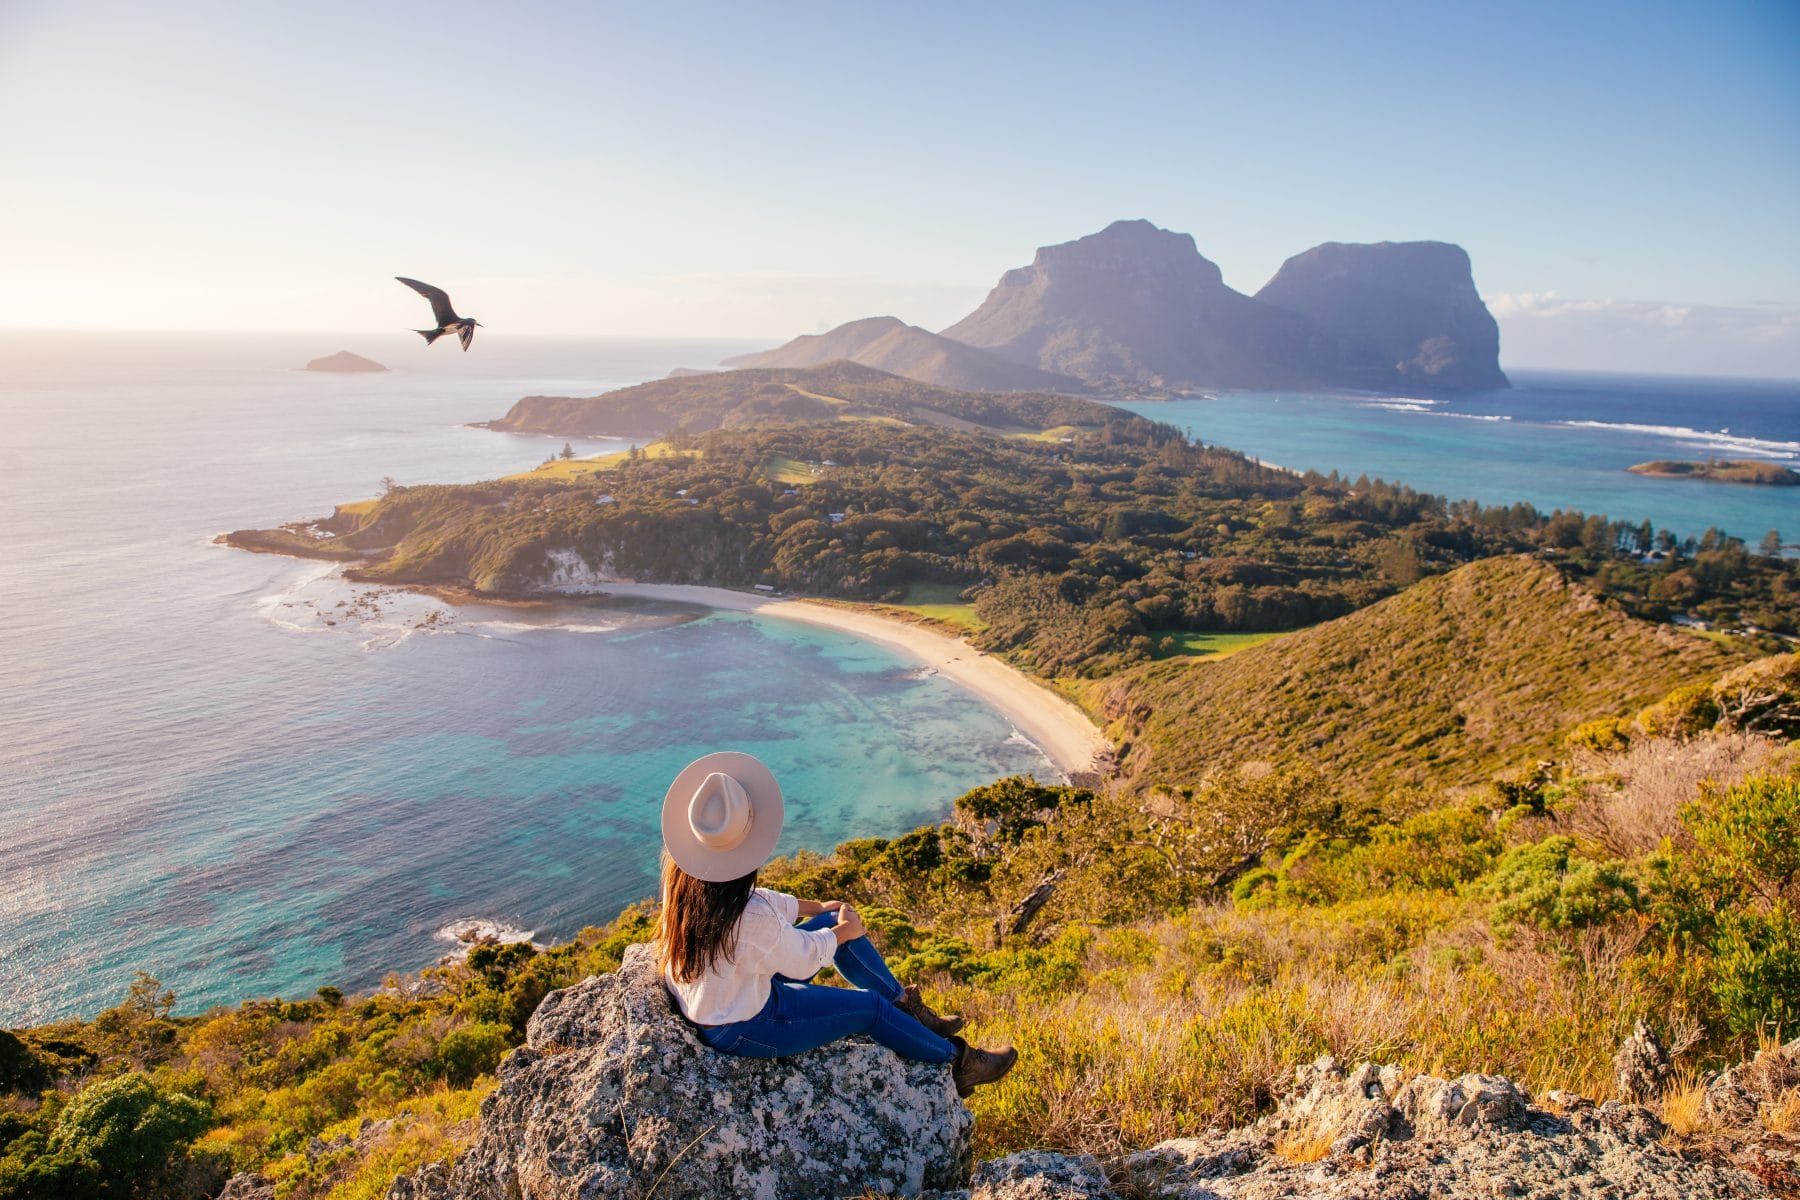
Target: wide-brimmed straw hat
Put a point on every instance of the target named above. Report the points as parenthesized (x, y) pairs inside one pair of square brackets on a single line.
[(722, 816)]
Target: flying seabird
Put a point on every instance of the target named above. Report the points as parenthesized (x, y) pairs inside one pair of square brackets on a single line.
[(442, 313)]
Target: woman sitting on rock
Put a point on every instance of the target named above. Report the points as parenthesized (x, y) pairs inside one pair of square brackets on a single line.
[(736, 962)]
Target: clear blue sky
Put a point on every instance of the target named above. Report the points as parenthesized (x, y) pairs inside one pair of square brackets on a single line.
[(765, 170)]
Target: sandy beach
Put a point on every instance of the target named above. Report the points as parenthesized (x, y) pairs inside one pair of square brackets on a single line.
[(1056, 726)]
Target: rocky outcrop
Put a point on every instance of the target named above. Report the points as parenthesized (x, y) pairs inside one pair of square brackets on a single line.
[(1138, 304), (612, 1095), (1641, 1068), (344, 361), (1734, 1097), (248, 1185), (890, 344), (1402, 313), (1377, 1133)]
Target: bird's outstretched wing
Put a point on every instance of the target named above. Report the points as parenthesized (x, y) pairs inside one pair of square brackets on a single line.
[(440, 302), (466, 331)]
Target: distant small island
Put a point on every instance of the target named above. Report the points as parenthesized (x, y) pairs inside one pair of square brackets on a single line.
[(344, 361), (1754, 471)]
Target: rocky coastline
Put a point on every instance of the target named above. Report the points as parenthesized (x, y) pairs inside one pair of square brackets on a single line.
[(1756, 472)]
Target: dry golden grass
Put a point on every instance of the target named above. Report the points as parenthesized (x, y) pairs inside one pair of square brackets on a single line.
[(1782, 1114), (1200, 1020), (1632, 801), (1306, 1143), (1684, 1105), (583, 468)]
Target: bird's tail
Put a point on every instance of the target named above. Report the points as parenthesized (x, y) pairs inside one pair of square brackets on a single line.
[(430, 335)]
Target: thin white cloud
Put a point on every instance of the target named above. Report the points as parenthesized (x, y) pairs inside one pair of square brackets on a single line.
[(1546, 329)]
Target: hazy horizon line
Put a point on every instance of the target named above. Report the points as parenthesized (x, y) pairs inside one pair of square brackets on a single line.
[(747, 340)]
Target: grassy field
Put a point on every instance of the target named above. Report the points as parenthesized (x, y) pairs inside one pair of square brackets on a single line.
[(791, 471), (1055, 434), (800, 391), (941, 603), (565, 469), (1189, 644), (962, 616)]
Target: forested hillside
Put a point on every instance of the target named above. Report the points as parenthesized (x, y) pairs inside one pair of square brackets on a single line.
[(836, 391), (1085, 549)]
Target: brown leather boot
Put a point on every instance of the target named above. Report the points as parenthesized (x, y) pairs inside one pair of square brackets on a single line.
[(971, 1067), (913, 1005)]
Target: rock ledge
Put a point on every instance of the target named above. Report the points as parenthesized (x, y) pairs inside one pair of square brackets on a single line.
[(612, 1095)]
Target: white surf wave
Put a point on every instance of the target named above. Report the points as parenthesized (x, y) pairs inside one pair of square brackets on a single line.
[(469, 932), (319, 600), (542, 626), (289, 609), (1401, 404), (1721, 439)]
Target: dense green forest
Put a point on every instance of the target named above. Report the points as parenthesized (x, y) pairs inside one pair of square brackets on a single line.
[(1084, 552)]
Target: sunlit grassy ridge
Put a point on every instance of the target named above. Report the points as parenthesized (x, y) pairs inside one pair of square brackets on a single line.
[(1452, 679), (556, 469), (697, 403)]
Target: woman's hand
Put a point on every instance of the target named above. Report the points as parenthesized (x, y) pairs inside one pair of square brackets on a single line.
[(849, 926)]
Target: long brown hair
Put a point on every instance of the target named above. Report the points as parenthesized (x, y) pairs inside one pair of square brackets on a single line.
[(698, 923)]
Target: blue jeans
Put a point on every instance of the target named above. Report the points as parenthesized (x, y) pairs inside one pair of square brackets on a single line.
[(804, 1016)]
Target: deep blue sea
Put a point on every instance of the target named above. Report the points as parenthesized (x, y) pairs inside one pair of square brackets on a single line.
[(249, 778), (1557, 440)]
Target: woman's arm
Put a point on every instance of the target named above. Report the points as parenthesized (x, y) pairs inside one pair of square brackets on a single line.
[(849, 925)]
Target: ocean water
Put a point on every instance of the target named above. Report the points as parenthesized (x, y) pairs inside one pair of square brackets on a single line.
[(1555, 439), (249, 778)]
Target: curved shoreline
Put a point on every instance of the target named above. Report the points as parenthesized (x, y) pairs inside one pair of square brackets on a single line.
[(1055, 725)]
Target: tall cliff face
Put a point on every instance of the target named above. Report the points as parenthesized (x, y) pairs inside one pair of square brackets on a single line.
[(890, 344), (1407, 312), (1139, 304)]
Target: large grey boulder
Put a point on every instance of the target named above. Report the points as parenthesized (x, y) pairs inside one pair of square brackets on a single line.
[(612, 1095)]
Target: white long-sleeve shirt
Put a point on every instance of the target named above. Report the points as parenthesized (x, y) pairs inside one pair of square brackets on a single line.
[(768, 944)]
